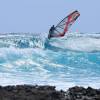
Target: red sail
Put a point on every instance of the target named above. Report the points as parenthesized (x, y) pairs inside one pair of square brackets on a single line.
[(64, 25)]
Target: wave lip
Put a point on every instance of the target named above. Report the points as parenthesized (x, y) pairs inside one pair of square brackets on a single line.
[(21, 40)]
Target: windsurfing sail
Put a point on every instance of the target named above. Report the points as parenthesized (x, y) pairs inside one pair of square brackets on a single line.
[(64, 25)]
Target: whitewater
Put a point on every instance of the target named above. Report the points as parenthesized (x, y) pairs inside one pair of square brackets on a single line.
[(28, 58)]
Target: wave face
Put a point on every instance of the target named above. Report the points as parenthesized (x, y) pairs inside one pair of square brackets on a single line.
[(26, 58)]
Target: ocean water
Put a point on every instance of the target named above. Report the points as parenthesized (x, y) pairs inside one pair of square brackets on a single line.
[(28, 58)]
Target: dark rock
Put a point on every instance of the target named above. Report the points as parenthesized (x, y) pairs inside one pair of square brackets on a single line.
[(91, 92), (29, 92)]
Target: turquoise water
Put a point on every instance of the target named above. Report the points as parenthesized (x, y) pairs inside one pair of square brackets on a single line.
[(27, 58)]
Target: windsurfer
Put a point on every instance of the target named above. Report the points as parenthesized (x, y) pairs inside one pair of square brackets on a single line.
[(51, 31), (63, 26)]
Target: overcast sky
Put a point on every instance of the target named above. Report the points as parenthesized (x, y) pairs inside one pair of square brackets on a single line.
[(39, 15)]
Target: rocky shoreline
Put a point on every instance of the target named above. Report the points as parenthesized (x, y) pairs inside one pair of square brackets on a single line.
[(30, 92)]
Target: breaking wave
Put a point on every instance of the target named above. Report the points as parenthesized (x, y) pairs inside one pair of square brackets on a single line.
[(79, 42), (72, 41), (27, 58)]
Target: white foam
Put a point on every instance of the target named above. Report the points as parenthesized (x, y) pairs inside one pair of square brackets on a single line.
[(78, 42)]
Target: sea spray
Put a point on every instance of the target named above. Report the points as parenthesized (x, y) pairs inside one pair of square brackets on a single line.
[(31, 59)]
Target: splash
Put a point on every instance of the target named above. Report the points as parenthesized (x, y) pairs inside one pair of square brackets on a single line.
[(89, 42), (78, 42), (33, 59), (21, 40)]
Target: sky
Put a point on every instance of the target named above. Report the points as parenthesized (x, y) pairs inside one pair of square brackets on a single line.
[(38, 16)]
